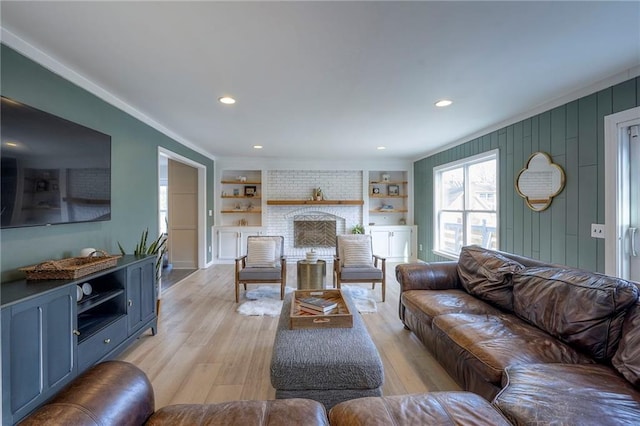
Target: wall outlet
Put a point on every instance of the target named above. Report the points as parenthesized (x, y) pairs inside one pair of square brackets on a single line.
[(420, 247), (597, 230)]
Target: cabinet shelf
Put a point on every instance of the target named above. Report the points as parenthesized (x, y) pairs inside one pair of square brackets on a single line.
[(388, 211), (240, 211), (241, 197), (237, 182), (398, 182), (90, 324), (97, 299), (387, 196)]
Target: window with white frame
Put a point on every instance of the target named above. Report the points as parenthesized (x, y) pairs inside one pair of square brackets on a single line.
[(466, 204)]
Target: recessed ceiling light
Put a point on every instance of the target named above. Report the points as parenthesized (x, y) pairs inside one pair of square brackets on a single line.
[(12, 144), (257, 146), (227, 100), (380, 148), (443, 103)]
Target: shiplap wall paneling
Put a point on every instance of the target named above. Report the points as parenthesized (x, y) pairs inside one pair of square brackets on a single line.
[(573, 134)]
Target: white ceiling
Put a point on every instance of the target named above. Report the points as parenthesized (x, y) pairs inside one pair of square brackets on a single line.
[(330, 80)]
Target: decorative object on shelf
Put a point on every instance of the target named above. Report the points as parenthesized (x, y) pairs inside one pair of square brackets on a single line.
[(375, 190), (86, 252), (70, 268), (402, 221), (540, 181), (250, 190), (386, 207), (312, 256), (237, 207), (242, 178), (318, 195), (358, 229), (79, 293), (393, 190), (242, 222), (236, 192), (87, 289), (385, 177), (249, 207), (223, 193)]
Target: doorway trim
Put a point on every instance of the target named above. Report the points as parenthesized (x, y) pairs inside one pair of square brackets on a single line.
[(202, 191), (616, 166)]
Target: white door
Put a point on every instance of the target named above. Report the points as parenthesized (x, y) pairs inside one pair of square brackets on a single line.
[(622, 194), (634, 203)]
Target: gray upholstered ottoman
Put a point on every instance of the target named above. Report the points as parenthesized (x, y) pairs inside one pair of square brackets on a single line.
[(327, 365)]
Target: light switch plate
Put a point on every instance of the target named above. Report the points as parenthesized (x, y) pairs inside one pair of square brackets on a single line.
[(597, 230)]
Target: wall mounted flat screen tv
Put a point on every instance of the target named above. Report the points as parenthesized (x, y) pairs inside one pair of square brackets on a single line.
[(52, 170)]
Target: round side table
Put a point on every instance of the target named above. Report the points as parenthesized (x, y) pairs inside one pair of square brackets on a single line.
[(311, 276)]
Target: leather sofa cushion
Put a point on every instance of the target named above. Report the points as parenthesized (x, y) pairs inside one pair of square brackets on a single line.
[(487, 275), (430, 304), (434, 408), (627, 358), (491, 343), (279, 412), (561, 394), (582, 308)]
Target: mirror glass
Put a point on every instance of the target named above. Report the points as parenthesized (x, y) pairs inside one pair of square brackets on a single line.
[(540, 181)]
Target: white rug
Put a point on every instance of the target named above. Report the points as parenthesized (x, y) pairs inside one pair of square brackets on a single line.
[(265, 300)]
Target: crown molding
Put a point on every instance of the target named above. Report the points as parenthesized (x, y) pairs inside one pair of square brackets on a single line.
[(56, 66)]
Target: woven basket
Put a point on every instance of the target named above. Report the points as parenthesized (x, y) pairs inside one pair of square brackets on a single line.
[(70, 268)]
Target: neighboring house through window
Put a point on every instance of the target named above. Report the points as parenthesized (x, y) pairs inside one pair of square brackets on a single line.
[(466, 204)]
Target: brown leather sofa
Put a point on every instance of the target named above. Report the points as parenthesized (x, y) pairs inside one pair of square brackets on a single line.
[(118, 393), (547, 344)]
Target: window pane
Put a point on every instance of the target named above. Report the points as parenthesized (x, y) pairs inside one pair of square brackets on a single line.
[(452, 189), (482, 230), (482, 186), (450, 232)]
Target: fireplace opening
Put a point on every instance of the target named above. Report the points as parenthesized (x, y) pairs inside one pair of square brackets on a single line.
[(314, 231)]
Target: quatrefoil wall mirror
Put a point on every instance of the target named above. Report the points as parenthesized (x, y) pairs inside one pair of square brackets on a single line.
[(540, 181)]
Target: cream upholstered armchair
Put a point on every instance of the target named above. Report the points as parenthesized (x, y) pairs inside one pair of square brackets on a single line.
[(264, 263), (355, 262)]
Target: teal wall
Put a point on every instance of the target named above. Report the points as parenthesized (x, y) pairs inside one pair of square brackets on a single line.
[(134, 173), (573, 134)]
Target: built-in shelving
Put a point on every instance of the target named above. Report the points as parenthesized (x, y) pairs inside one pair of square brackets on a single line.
[(388, 197), (240, 198)]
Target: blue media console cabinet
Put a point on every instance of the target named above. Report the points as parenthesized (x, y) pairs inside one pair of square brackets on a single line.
[(49, 337)]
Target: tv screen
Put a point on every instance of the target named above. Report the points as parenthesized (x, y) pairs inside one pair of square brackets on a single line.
[(53, 171)]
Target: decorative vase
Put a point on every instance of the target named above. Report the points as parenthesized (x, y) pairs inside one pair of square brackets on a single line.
[(312, 256)]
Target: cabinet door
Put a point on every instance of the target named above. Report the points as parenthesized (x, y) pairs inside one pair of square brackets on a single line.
[(141, 294), (228, 244), (38, 351), (400, 243), (380, 242)]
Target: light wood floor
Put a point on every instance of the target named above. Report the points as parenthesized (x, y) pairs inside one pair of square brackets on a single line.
[(205, 352)]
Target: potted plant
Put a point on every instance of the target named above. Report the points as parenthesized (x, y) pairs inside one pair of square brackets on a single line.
[(157, 248), (358, 229)]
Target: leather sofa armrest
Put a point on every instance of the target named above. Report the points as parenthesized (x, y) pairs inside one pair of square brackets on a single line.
[(110, 393), (428, 276)]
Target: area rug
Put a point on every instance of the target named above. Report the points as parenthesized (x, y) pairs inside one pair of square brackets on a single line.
[(265, 300), (362, 297)]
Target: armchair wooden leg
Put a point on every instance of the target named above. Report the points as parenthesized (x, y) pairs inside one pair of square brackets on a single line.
[(237, 292), (384, 290)]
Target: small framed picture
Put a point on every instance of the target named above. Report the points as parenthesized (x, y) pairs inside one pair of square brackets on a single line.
[(249, 191), (375, 191), (394, 190), (236, 192)]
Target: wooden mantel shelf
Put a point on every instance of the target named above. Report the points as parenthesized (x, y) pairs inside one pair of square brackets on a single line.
[(314, 202)]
